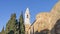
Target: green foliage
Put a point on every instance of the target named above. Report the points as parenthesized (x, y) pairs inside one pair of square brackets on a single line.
[(21, 22), (2, 32), (13, 26), (11, 32)]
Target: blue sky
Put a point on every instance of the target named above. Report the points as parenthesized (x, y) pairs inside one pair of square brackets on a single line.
[(7, 7)]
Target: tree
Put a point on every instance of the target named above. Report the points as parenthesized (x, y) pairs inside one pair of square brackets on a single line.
[(3, 31), (11, 25), (11, 32), (21, 24)]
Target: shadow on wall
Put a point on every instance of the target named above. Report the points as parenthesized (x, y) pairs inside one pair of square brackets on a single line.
[(56, 28), (11, 32), (45, 31)]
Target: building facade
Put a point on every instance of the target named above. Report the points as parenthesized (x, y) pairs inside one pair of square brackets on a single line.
[(27, 21), (46, 22)]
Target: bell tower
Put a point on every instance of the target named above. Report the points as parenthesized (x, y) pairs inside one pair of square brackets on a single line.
[(27, 21)]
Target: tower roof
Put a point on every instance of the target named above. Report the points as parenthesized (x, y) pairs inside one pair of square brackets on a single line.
[(27, 10), (27, 16)]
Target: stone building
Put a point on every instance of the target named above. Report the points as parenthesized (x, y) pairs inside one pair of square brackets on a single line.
[(27, 21), (45, 23)]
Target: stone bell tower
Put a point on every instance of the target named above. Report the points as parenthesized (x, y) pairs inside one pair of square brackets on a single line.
[(27, 21)]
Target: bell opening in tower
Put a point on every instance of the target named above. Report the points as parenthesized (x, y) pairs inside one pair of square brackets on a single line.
[(27, 16)]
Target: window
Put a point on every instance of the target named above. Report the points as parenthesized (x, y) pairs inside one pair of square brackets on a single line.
[(27, 16)]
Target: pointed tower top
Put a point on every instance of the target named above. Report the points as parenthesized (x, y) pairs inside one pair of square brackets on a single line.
[(27, 16), (27, 10)]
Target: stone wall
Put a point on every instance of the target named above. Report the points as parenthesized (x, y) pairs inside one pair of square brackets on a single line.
[(47, 20)]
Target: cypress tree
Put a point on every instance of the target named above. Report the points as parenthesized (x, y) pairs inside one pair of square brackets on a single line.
[(3, 31), (11, 25), (21, 24)]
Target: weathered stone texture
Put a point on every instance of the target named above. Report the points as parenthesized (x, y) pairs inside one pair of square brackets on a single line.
[(47, 20)]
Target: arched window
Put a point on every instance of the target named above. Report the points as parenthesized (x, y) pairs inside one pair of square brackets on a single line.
[(27, 16)]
